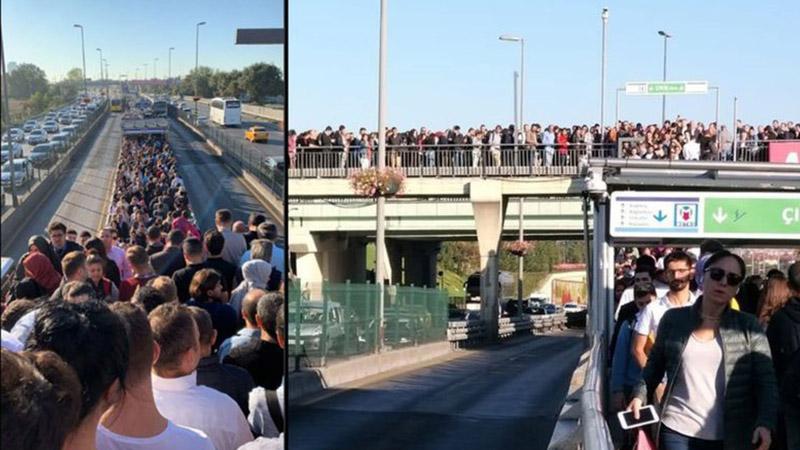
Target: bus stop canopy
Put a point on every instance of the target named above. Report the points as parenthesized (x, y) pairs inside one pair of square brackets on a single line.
[(134, 126)]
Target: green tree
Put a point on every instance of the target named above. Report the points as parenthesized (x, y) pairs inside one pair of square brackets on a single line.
[(201, 82), (262, 80), (75, 75), (26, 80)]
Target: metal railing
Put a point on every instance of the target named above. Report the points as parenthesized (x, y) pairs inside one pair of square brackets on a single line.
[(467, 332), (237, 155), (596, 434), (344, 320), (480, 160), (483, 160)]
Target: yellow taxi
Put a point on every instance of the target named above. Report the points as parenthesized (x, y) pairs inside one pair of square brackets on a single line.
[(254, 134)]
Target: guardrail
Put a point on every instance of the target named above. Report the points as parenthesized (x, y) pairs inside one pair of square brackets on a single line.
[(467, 332), (484, 160), (263, 112), (237, 156), (596, 435)]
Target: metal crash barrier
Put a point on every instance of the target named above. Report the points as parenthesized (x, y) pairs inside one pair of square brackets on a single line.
[(465, 332), (596, 435)]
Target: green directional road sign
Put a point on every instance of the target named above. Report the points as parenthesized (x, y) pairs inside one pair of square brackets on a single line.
[(746, 215), (701, 215), (666, 88)]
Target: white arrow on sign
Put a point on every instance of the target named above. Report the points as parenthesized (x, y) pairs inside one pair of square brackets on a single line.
[(720, 215)]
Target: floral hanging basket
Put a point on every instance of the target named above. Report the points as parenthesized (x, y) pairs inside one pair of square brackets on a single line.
[(519, 248), (373, 182)]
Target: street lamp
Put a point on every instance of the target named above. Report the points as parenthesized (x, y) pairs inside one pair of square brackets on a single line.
[(11, 164), (520, 260), (664, 97), (380, 231), (196, 59), (83, 55), (155, 73), (101, 67), (107, 78), (604, 17), (169, 66)]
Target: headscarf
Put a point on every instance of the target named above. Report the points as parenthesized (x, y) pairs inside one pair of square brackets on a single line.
[(38, 267), (256, 274)]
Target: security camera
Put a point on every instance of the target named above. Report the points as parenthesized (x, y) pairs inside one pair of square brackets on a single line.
[(594, 181)]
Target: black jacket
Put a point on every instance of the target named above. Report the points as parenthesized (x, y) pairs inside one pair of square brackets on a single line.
[(226, 378), (183, 278), (626, 313), (69, 246), (168, 261), (264, 361), (783, 334)]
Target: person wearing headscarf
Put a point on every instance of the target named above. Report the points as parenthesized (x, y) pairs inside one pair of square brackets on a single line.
[(256, 276), (38, 244), (38, 268)]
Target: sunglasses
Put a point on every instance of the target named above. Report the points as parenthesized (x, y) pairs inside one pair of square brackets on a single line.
[(718, 274)]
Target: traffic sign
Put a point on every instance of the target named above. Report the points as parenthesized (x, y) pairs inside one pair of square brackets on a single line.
[(666, 87), (748, 215)]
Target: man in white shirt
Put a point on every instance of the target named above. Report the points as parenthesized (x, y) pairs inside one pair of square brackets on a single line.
[(643, 276), (679, 272), (135, 423), (235, 244), (116, 254), (175, 388)]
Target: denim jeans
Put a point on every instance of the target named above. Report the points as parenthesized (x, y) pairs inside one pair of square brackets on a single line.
[(672, 440)]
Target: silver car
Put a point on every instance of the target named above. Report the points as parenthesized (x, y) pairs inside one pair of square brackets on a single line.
[(37, 136), (23, 172), (50, 126), (30, 125), (42, 153), (17, 135), (60, 141), (14, 148)]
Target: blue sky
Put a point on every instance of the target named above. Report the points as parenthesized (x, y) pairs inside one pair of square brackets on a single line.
[(132, 33), (447, 66)]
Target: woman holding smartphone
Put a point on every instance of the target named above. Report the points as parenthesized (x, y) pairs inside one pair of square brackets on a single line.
[(721, 390)]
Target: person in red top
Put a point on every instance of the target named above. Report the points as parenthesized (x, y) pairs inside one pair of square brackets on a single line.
[(142, 272), (563, 148), (180, 221), (39, 268)]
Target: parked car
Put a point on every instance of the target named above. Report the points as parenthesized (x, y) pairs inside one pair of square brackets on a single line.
[(60, 141), (42, 154), (50, 126), (17, 135), (255, 134), (14, 148), (311, 324), (37, 136), (30, 125), (549, 308), (573, 307), (23, 172)]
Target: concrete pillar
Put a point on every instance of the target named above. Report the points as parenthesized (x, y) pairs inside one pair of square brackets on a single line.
[(420, 262), (488, 206), (309, 265)]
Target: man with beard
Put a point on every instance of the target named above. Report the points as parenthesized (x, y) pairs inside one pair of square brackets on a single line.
[(679, 272)]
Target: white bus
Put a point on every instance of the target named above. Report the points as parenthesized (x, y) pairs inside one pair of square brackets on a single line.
[(226, 111)]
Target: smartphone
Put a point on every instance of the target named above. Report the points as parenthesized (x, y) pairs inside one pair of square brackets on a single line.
[(647, 415)]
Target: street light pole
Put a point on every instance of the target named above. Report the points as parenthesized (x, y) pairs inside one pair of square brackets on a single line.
[(616, 107), (101, 67), (7, 114), (196, 60), (107, 78), (169, 67), (664, 78), (604, 17), (83, 55), (155, 73), (380, 232)]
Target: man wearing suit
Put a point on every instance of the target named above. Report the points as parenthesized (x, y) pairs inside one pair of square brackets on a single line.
[(170, 260)]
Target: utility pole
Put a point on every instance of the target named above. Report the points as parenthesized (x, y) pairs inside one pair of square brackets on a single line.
[(380, 232)]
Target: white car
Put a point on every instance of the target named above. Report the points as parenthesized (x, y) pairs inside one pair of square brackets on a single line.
[(14, 148), (17, 135), (30, 125), (23, 172), (573, 308), (37, 136), (51, 126), (60, 140)]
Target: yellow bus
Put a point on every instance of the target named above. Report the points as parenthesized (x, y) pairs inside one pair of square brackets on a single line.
[(116, 105)]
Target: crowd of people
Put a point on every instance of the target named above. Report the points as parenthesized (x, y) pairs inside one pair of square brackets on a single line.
[(715, 349), (150, 335), (553, 145)]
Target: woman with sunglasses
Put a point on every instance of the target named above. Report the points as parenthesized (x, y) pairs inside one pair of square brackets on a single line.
[(721, 389)]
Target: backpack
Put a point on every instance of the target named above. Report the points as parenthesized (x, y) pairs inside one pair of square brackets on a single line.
[(275, 409)]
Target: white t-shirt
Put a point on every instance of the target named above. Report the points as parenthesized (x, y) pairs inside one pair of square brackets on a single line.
[(627, 295), (182, 401), (651, 315), (174, 437), (11, 343), (260, 418), (263, 443)]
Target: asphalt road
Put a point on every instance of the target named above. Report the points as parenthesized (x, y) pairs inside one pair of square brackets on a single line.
[(210, 184), (504, 396), (78, 197), (274, 147)]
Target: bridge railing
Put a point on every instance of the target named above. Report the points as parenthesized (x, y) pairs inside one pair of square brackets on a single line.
[(341, 320), (467, 332), (484, 160)]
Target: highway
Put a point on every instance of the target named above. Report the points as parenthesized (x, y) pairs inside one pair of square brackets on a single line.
[(258, 150), (503, 396), (210, 184), (78, 197)]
